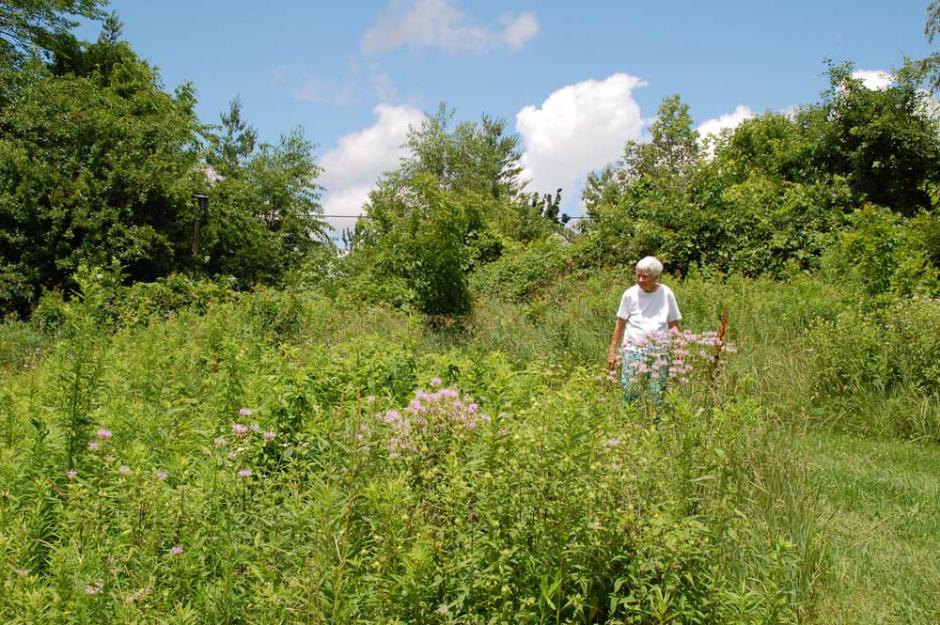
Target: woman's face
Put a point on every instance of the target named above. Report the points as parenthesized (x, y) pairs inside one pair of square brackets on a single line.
[(645, 280)]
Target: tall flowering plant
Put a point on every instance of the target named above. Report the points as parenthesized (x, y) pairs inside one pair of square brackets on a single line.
[(658, 360), (431, 422)]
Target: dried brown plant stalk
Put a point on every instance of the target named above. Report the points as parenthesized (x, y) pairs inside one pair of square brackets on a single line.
[(720, 344)]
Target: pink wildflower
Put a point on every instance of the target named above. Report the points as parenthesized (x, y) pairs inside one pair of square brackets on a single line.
[(94, 589), (219, 442), (93, 445), (244, 473), (239, 430), (269, 436), (162, 475), (435, 382), (245, 412), (103, 434), (176, 550), (124, 469), (72, 473)]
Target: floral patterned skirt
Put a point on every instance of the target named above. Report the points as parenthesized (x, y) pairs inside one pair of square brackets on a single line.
[(644, 370)]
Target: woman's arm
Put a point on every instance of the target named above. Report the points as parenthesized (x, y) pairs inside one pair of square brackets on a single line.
[(615, 342)]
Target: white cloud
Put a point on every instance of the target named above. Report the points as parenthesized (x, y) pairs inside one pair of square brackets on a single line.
[(440, 24), (874, 79), (359, 158), (348, 202), (578, 128), (713, 127), (518, 31), (316, 90)]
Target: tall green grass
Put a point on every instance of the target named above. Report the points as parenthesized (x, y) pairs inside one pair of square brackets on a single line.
[(130, 496), (565, 505)]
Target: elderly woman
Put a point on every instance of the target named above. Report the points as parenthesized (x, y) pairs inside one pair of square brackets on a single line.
[(648, 311)]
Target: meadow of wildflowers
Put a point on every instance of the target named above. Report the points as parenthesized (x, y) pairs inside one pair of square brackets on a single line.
[(334, 467)]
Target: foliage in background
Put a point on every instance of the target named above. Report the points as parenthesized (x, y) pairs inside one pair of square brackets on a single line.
[(450, 207), (28, 27), (778, 189), (95, 164), (99, 164)]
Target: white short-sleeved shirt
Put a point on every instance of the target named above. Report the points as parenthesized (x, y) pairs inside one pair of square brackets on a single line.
[(647, 313)]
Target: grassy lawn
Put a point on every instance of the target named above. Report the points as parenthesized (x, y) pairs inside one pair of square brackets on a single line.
[(883, 503)]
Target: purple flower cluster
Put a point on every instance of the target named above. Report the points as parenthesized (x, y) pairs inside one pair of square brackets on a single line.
[(675, 355), (431, 414), (101, 435), (240, 430)]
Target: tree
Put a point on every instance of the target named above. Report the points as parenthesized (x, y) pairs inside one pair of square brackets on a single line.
[(444, 210), (673, 147), (94, 167), (931, 65), (885, 142), (39, 25), (236, 143), (265, 212), (647, 205), (479, 156)]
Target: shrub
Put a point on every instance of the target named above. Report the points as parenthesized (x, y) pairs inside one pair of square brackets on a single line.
[(882, 253), (891, 349), (522, 270)]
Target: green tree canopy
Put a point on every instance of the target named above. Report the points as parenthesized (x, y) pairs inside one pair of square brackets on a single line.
[(447, 207), (94, 166), (98, 164), (40, 26)]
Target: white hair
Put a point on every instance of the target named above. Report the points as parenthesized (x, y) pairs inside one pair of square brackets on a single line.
[(652, 265)]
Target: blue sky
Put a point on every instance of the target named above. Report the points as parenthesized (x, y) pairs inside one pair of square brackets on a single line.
[(575, 80)]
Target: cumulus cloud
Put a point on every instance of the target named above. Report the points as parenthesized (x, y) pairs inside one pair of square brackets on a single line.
[(577, 129), (713, 127), (440, 24), (359, 158), (519, 30), (874, 79)]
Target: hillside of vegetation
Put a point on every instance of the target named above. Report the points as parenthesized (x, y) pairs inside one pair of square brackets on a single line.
[(282, 456), (221, 416)]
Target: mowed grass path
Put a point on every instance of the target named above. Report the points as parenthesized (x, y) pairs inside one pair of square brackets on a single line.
[(882, 499)]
